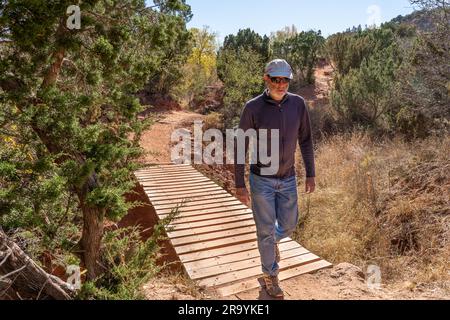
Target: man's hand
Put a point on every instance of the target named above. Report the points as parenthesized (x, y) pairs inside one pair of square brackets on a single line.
[(310, 185), (243, 196)]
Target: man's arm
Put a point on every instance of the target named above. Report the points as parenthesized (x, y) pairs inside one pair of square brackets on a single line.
[(246, 122), (305, 139)]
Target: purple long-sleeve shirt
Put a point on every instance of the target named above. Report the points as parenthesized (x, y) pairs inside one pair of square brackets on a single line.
[(291, 117)]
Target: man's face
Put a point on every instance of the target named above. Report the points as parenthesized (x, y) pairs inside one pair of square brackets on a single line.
[(278, 86)]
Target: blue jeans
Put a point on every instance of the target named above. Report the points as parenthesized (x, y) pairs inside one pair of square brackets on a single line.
[(275, 209)]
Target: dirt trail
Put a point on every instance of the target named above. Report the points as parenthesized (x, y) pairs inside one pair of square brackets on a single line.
[(317, 93), (343, 281), (156, 141)]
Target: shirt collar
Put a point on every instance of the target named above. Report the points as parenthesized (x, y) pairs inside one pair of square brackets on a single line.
[(269, 99)]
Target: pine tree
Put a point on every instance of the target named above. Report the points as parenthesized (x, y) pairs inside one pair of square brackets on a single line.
[(68, 94)]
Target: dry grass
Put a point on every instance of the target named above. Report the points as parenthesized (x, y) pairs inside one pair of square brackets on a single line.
[(383, 203)]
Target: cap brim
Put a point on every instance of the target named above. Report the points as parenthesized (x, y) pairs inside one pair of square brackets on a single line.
[(282, 75)]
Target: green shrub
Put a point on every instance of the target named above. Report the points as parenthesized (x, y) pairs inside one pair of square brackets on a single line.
[(242, 74)]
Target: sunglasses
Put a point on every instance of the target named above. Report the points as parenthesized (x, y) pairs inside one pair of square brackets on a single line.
[(279, 80)]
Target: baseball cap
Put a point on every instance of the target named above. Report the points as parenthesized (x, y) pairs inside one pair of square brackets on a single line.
[(279, 68)]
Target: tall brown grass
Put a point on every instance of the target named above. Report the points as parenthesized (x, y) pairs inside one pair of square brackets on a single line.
[(384, 203)]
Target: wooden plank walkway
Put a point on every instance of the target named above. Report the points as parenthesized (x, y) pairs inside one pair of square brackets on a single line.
[(214, 234)]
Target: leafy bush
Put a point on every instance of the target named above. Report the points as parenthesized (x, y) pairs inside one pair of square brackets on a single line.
[(200, 68), (364, 95), (347, 51), (301, 51), (394, 79), (242, 74), (422, 89)]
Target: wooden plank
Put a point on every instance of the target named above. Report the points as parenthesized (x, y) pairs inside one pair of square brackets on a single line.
[(186, 184), (212, 236), (235, 257), (218, 252), (172, 164), (149, 174), (212, 222), (164, 166), (201, 246), (194, 204), (247, 285), (182, 188), (176, 186), (202, 230), (256, 271), (209, 217), (189, 196), (174, 174), (172, 179), (175, 182), (193, 213), (159, 171), (169, 166), (150, 178), (240, 265), (181, 192), (208, 211), (193, 207), (165, 172), (189, 186), (198, 199), (221, 252)]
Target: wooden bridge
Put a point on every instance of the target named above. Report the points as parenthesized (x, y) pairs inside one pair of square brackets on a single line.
[(214, 234)]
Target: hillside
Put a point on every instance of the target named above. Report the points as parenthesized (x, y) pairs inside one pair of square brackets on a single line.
[(422, 20)]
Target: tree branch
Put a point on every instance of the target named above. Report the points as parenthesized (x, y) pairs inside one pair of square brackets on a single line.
[(29, 275), (12, 272), (6, 258), (57, 58)]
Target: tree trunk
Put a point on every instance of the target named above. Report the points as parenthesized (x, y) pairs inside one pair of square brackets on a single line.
[(91, 239), (22, 273)]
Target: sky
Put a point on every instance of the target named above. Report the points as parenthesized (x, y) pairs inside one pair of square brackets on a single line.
[(265, 16)]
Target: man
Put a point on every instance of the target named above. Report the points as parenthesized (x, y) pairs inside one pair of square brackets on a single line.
[(274, 197)]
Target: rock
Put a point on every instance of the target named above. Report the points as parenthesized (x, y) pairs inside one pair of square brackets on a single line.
[(347, 270), (409, 285)]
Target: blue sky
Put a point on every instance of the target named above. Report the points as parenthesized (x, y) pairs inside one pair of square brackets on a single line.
[(264, 16)]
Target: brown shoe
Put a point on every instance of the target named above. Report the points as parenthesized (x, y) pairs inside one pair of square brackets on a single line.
[(272, 287), (277, 253)]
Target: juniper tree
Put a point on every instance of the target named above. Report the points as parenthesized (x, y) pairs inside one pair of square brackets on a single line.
[(68, 94), (301, 50)]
